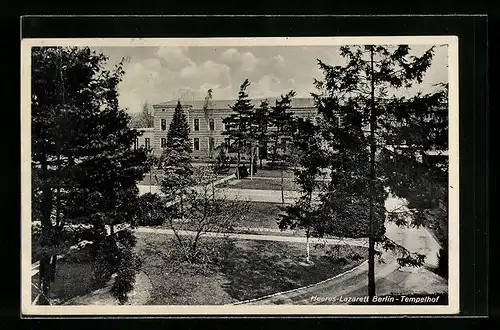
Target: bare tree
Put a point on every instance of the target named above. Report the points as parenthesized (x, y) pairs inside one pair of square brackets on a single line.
[(209, 216)]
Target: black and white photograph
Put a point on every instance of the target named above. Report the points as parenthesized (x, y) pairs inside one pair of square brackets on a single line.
[(304, 175)]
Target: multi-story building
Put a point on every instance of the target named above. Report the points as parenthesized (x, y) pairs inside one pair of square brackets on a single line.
[(206, 125)]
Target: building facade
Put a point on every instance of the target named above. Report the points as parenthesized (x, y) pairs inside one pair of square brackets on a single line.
[(206, 125)]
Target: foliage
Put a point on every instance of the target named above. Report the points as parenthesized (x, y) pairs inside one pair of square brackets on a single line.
[(176, 157), (221, 164), (283, 125), (360, 120), (239, 122), (143, 119), (84, 169), (204, 211), (151, 210)]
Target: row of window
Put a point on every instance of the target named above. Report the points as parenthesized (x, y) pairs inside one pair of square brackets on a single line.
[(196, 124), (163, 143)]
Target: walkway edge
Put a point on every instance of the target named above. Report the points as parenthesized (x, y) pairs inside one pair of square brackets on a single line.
[(301, 288)]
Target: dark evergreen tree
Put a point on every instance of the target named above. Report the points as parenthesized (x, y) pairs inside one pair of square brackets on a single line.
[(84, 169), (261, 120), (176, 158), (281, 119), (355, 101), (238, 123)]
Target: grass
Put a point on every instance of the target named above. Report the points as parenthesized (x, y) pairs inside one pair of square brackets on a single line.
[(260, 214), (274, 173), (262, 184), (72, 279), (251, 269)]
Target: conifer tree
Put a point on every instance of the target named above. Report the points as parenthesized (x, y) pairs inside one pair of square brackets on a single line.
[(83, 166), (238, 123), (355, 102), (176, 158)]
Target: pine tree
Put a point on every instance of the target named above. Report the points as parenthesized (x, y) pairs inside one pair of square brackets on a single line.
[(281, 118), (84, 169), (238, 123), (283, 122), (176, 158), (261, 120), (355, 102)]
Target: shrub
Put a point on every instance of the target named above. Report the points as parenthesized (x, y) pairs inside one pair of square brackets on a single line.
[(151, 210), (243, 171)]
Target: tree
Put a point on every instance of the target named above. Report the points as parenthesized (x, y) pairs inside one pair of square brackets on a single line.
[(261, 120), (207, 212), (355, 101), (221, 164), (176, 158), (208, 116), (281, 119), (84, 170), (238, 123), (143, 119), (311, 158)]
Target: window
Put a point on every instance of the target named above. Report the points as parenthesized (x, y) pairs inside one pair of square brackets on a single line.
[(147, 143), (196, 143), (136, 143), (163, 142), (163, 124), (211, 124), (227, 143), (196, 124), (226, 127)]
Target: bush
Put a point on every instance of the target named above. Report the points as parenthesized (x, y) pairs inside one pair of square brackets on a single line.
[(151, 210), (243, 171)]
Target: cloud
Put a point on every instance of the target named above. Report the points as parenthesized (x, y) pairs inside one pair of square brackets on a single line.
[(176, 58), (165, 73), (244, 61)]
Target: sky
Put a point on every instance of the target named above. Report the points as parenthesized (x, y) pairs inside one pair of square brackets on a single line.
[(159, 74)]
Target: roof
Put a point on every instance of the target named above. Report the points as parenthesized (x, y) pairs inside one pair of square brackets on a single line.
[(224, 104)]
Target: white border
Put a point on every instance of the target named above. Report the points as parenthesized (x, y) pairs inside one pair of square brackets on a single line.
[(453, 282)]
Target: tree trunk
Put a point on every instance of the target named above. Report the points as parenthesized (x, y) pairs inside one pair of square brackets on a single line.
[(238, 166), (371, 236), (260, 161), (44, 279), (282, 190), (251, 163), (308, 257), (46, 241)]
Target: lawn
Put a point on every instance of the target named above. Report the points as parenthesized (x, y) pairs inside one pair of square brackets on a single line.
[(72, 279), (251, 269), (260, 214), (262, 184)]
